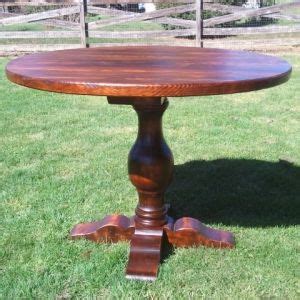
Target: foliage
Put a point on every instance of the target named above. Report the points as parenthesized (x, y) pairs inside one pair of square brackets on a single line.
[(40, 8), (206, 14), (186, 16), (241, 2)]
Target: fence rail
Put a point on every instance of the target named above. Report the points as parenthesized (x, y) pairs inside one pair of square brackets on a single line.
[(91, 2), (201, 32)]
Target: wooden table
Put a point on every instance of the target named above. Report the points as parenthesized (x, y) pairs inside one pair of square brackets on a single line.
[(143, 77)]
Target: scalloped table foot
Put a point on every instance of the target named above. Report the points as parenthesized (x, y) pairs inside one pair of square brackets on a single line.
[(145, 245), (112, 228), (145, 254), (187, 232)]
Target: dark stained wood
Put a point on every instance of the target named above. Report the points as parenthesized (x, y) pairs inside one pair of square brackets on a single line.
[(150, 166), (145, 254), (141, 77), (113, 228), (146, 243), (148, 71), (187, 232)]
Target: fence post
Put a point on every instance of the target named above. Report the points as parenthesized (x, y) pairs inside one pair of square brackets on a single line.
[(199, 23), (84, 31)]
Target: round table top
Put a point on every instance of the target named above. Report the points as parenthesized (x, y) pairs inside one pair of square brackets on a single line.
[(148, 71)]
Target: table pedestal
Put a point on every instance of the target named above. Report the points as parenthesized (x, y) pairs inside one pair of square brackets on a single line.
[(150, 167)]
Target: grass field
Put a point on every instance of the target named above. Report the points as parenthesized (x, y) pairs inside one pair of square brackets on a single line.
[(63, 160)]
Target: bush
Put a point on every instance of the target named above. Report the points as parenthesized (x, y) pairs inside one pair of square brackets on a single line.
[(186, 16), (206, 14)]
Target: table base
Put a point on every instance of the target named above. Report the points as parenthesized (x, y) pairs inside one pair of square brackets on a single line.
[(150, 167), (147, 245)]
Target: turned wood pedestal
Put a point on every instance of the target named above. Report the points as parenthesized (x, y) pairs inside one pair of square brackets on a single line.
[(143, 77), (150, 168)]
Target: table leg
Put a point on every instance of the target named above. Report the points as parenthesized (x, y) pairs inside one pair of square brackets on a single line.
[(150, 166)]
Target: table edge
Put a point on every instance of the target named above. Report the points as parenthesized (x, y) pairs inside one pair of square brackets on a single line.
[(159, 90)]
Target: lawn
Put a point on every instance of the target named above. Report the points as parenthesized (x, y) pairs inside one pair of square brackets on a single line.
[(31, 27), (63, 160)]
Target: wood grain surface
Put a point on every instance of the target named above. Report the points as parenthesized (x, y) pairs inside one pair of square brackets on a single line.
[(148, 71)]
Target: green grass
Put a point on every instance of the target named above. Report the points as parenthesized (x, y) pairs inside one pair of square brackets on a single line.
[(130, 26), (25, 27), (63, 161)]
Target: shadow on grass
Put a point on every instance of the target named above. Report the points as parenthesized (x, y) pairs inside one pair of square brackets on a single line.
[(250, 193)]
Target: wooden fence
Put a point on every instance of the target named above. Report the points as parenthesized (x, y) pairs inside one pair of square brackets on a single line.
[(202, 31)]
